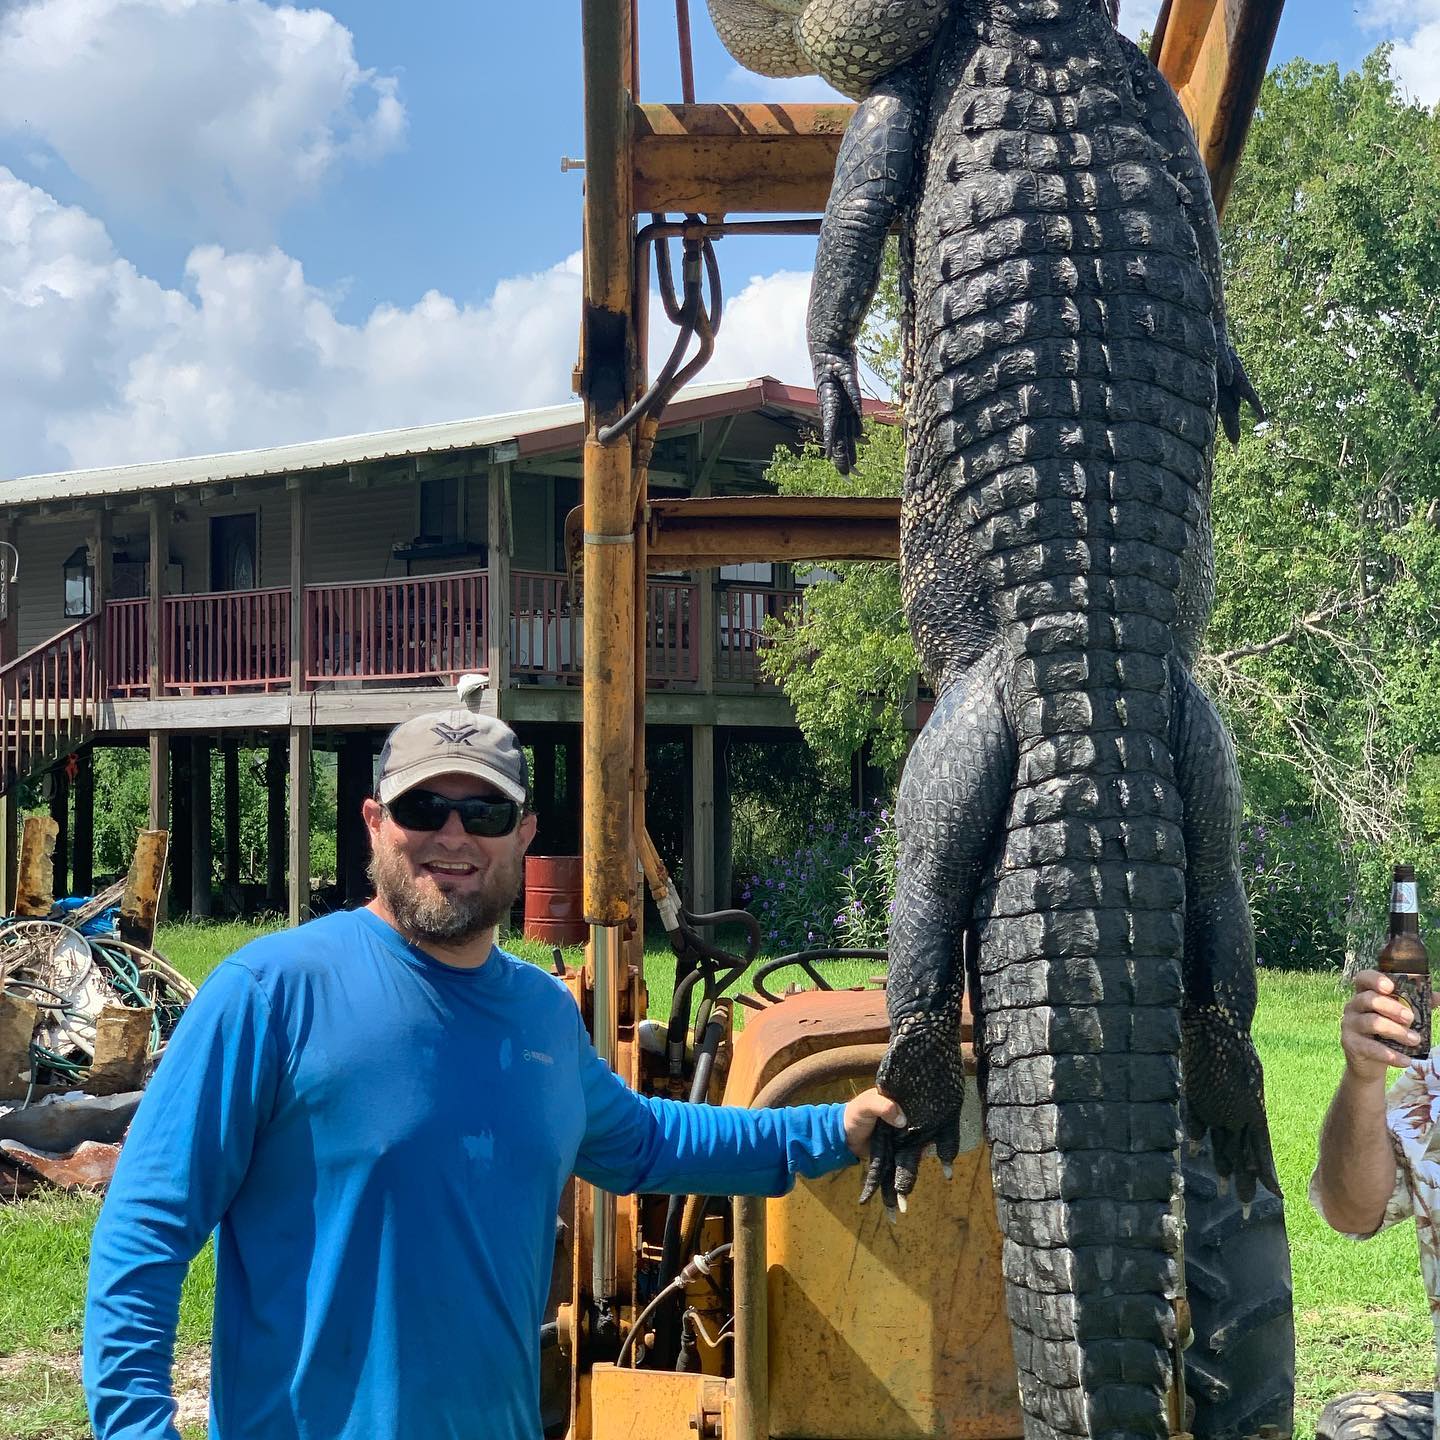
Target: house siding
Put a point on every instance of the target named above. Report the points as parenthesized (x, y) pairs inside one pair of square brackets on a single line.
[(40, 590)]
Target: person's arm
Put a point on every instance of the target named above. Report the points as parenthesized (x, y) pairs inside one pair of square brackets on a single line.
[(1355, 1176), (635, 1143), (185, 1156)]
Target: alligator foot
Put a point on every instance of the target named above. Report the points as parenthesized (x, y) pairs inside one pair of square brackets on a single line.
[(925, 1071), (1235, 390)]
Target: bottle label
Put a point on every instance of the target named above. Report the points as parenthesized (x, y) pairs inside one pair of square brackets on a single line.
[(1414, 990), (1403, 900)]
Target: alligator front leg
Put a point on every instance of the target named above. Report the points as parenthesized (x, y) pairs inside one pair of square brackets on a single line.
[(956, 786), (1224, 1087), (873, 176)]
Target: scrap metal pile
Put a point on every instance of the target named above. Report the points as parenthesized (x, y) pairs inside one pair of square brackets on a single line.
[(86, 1008)]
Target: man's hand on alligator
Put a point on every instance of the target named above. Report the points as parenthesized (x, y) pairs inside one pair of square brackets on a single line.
[(866, 1115), (925, 1068)]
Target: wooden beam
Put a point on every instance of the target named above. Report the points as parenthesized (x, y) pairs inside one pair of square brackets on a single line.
[(297, 590), (734, 530), (762, 158), (701, 868), (35, 887), (712, 458), (275, 764), (737, 544), (499, 546), (9, 600), (736, 159), (9, 848), (102, 550), (202, 849), (298, 848), (60, 814), (159, 819), (159, 780), (354, 768), (1215, 54), (159, 559), (230, 762), (82, 836), (144, 884), (182, 825)]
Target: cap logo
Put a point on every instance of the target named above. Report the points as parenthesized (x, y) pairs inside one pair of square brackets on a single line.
[(455, 734)]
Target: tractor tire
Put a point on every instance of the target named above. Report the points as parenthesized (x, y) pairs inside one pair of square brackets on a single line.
[(1240, 1365)]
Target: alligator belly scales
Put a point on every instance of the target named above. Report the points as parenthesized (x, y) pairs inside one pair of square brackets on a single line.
[(1069, 817)]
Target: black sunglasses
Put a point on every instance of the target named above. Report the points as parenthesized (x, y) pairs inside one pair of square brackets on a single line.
[(425, 810)]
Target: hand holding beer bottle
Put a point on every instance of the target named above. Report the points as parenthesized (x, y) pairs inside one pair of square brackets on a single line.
[(1386, 1022), (1405, 960)]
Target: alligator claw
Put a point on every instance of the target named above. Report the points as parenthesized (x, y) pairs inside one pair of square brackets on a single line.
[(1235, 391), (837, 385)]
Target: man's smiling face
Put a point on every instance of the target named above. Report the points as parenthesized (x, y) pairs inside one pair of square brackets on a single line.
[(445, 885)]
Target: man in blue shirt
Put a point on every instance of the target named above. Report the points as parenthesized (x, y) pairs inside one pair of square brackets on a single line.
[(379, 1111)]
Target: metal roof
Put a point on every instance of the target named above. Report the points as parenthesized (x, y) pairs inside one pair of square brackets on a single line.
[(556, 428)]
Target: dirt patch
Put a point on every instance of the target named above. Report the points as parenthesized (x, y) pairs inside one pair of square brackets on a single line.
[(191, 1377), (22, 1361), (192, 1387)]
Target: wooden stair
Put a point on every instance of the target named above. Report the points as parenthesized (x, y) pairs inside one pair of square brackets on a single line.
[(49, 701)]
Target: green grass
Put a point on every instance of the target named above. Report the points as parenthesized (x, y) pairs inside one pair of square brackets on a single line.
[(1361, 1315)]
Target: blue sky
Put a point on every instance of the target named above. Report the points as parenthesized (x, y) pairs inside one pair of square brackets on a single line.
[(227, 223)]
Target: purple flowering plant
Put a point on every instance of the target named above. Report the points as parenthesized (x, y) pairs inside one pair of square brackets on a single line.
[(835, 890)]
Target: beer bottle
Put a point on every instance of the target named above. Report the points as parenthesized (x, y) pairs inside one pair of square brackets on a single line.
[(1405, 959)]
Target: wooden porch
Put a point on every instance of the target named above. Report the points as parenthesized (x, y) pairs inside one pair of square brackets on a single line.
[(420, 632)]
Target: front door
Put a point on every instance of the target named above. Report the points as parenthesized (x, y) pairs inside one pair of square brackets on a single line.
[(233, 552)]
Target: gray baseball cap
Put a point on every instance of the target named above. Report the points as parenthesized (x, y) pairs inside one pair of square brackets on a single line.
[(451, 742)]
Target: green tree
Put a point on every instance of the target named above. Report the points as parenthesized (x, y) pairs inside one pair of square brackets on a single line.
[(1327, 624), (845, 659)]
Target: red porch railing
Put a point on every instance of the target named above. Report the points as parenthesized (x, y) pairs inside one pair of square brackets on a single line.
[(547, 630), (226, 640), (546, 627), (742, 611), (48, 700), (127, 649), (670, 653), (413, 629)]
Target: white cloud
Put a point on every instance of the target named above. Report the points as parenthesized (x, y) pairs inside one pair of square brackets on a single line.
[(799, 90), (222, 112), (1413, 27), (1138, 15), (762, 331), (100, 365)]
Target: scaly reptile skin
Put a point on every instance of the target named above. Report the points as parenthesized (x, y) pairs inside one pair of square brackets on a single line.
[(1072, 807)]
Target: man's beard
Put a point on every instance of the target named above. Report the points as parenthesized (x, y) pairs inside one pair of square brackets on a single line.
[(445, 917)]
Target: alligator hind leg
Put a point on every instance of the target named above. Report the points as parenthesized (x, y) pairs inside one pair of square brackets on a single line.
[(1224, 1088), (956, 786)]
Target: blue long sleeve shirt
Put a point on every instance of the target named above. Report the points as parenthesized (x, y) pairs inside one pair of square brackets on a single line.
[(382, 1141)]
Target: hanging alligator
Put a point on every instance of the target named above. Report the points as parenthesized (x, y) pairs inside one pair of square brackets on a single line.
[(1069, 817)]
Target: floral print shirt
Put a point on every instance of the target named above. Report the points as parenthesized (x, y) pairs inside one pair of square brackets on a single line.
[(1413, 1118)]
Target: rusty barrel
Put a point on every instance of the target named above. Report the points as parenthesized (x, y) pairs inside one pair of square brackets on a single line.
[(554, 890)]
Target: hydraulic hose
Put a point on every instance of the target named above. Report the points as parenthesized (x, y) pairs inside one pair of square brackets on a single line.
[(698, 1266)]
